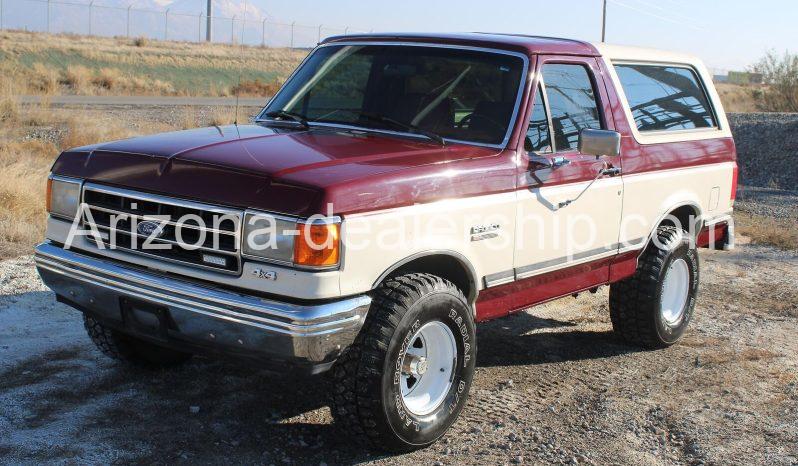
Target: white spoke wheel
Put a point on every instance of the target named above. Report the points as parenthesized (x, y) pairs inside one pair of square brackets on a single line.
[(427, 368), (675, 290), (404, 381), (653, 307)]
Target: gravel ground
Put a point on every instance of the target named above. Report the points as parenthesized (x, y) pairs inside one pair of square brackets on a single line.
[(768, 202), (552, 385)]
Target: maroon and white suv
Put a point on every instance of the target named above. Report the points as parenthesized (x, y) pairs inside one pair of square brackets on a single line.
[(397, 190)]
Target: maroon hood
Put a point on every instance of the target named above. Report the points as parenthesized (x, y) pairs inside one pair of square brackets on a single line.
[(281, 170)]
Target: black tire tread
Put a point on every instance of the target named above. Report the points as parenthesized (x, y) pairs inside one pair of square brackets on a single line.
[(123, 348), (631, 299), (355, 378)]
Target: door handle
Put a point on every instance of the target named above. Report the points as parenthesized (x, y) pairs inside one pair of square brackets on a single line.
[(611, 171)]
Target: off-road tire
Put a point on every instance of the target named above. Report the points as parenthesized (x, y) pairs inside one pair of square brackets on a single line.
[(130, 350), (635, 303), (366, 398)]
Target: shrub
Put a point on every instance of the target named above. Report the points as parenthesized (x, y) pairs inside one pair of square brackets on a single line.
[(780, 74), (140, 41), (44, 79), (77, 77), (257, 88)]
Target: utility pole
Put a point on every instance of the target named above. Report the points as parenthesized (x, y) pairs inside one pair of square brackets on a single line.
[(604, 22), (48, 16), (292, 34), (166, 25), (209, 21), (319, 35), (91, 4), (199, 27), (262, 32), (127, 23), (233, 30)]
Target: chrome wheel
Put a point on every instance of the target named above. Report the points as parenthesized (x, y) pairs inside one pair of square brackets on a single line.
[(675, 290), (428, 368)]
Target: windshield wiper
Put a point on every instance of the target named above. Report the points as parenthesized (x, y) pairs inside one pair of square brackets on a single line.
[(406, 126), (284, 114)]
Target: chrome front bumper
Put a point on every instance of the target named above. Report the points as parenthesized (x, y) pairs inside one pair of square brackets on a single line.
[(193, 316)]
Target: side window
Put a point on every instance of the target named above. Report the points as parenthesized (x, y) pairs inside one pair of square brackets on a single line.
[(572, 103), (664, 98), (537, 136)]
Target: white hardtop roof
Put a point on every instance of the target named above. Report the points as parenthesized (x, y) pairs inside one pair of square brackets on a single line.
[(624, 53)]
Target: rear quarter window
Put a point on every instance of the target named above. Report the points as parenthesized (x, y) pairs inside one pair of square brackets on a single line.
[(665, 98)]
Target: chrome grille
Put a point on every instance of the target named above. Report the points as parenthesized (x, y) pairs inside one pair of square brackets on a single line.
[(207, 237)]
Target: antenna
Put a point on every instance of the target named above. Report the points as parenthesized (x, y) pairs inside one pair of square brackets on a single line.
[(240, 62)]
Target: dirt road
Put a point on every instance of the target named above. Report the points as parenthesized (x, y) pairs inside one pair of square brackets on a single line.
[(552, 385)]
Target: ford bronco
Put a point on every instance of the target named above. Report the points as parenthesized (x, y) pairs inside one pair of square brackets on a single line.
[(397, 190)]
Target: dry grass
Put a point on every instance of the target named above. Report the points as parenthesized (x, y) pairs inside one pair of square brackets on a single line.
[(222, 116), (257, 88), (26, 157), (38, 63), (781, 233), (737, 98)]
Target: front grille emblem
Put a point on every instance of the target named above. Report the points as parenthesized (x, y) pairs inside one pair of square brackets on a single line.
[(148, 228)]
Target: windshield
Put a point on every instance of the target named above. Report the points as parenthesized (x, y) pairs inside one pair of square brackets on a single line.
[(457, 94)]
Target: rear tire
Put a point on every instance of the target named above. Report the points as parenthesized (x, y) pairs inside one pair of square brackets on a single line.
[(406, 378), (131, 350), (653, 307)]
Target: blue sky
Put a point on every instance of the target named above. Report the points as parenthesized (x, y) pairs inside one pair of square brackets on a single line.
[(725, 33)]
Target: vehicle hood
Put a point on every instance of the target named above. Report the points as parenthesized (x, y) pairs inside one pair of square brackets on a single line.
[(253, 166)]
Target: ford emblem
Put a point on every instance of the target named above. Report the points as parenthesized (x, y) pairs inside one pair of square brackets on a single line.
[(149, 228)]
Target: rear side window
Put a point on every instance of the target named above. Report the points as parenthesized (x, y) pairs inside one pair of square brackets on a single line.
[(572, 103), (665, 98)]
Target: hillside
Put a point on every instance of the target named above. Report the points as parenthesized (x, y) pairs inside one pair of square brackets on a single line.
[(38, 63)]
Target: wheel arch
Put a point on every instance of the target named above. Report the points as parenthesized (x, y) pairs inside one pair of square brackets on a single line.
[(682, 212), (447, 264)]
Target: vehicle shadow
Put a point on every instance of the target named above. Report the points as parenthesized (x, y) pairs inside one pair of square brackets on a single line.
[(214, 411), (524, 339)]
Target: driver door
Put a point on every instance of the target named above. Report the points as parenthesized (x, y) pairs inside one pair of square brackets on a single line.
[(569, 211)]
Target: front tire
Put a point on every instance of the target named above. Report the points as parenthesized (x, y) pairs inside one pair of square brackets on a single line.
[(406, 378), (130, 350), (653, 307)]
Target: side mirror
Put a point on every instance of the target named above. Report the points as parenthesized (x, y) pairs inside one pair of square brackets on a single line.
[(600, 142)]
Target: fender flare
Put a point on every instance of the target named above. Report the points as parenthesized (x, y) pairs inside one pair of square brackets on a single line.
[(658, 222), (463, 260)]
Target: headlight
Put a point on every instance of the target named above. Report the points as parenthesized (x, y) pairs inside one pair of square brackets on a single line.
[(290, 241), (63, 196)]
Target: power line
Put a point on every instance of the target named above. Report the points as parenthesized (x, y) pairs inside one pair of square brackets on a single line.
[(664, 18)]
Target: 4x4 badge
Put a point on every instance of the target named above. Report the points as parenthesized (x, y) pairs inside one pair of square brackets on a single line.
[(265, 274)]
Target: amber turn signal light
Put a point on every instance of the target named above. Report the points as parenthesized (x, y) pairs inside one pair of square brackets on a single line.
[(318, 245)]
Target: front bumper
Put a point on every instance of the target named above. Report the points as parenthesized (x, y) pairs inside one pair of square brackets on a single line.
[(190, 316)]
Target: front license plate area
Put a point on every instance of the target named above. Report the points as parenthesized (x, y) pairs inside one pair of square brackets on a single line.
[(145, 318)]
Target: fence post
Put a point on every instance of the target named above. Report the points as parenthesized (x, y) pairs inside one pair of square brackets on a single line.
[(262, 32), (292, 34), (91, 4), (166, 25), (232, 30)]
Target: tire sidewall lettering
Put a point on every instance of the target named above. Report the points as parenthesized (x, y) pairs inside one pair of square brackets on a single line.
[(456, 315)]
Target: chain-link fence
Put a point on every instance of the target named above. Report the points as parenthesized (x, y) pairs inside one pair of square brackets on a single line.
[(101, 20)]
